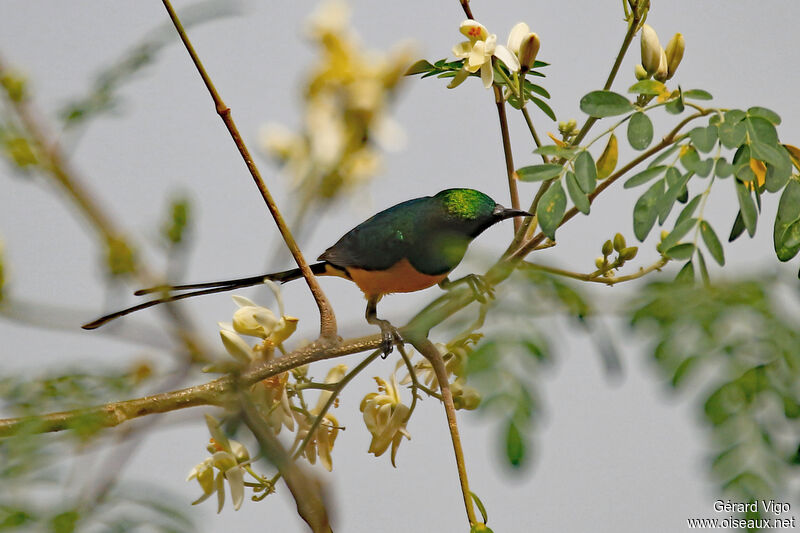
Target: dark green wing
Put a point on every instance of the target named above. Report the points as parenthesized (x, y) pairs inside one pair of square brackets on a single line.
[(383, 240)]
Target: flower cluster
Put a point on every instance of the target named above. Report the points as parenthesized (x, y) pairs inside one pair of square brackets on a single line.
[(481, 47), (347, 96), (385, 416), (230, 459), (656, 62)]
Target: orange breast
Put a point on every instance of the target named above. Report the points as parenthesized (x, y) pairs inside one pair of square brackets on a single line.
[(400, 277)]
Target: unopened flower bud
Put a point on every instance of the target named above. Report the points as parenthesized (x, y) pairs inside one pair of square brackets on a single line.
[(607, 248), (619, 242), (283, 330), (528, 50), (674, 52), (663, 71), (640, 73), (664, 234), (651, 49), (626, 254), (600, 262)]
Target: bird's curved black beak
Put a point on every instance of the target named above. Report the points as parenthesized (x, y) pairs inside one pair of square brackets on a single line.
[(503, 213)]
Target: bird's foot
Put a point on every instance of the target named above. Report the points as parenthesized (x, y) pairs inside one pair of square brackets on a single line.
[(391, 336), (480, 287)]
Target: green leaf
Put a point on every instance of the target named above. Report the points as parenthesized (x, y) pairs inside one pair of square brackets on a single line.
[(778, 174), (684, 370), (732, 133), (419, 67), (767, 153), (551, 209), (686, 274), (678, 233), (747, 207), (765, 113), (676, 185), (722, 168), (644, 176), (601, 104), (681, 251), (761, 129), (690, 160), (541, 104), (701, 262), (689, 210), (645, 212), (697, 94), (712, 242), (648, 87), (737, 228), (481, 507), (556, 151), (786, 233), (704, 139), (542, 172), (577, 195), (586, 172), (675, 106), (515, 446), (665, 154), (640, 131)]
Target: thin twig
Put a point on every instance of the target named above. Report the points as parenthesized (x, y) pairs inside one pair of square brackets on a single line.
[(509, 158), (327, 317), (633, 26), (429, 351), (594, 276)]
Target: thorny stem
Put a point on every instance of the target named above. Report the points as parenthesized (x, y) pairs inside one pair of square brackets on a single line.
[(327, 317), (509, 158), (429, 351), (593, 276)]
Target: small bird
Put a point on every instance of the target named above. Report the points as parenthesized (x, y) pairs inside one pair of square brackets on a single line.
[(408, 247)]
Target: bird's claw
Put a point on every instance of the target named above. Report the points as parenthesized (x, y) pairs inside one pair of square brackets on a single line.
[(391, 336)]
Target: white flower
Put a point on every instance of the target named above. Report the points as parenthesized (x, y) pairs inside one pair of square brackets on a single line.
[(229, 457), (524, 44), (477, 54), (385, 416)]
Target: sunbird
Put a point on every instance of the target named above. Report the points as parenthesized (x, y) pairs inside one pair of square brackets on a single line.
[(408, 247)]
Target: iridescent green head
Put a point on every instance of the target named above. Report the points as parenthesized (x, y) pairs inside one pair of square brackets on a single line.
[(473, 210)]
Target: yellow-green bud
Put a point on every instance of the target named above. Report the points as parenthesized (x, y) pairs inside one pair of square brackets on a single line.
[(640, 73), (664, 234), (674, 52), (15, 86), (663, 71), (572, 124), (619, 242), (528, 50), (626, 254), (600, 262), (607, 248), (651, 49)]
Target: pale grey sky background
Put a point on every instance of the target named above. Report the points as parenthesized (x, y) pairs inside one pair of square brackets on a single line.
[(621, 456)]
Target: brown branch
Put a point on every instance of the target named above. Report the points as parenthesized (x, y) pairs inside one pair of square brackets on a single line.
[(429, 351), (327, 317), (509, 158), (467, 10), (305, 488), (597, 277)]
